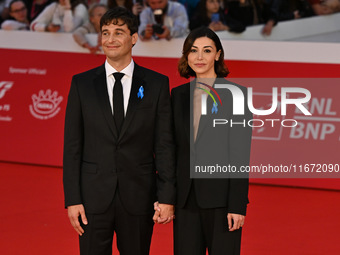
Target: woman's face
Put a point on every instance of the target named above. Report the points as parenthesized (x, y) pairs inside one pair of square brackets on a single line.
[(202, 57), (19, 11), (212, 6), (97, 13)]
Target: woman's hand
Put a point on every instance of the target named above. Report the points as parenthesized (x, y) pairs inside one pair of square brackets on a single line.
[(164, 213), (235, 221)]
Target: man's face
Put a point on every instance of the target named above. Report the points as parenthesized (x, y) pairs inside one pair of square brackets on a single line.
[(157, 4), (18, 11), (117, 42), (97, 13)]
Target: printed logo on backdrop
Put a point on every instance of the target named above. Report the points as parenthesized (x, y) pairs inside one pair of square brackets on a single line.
[(269, 117), (5, 86), (266, 132), (30, 71), (45, 105), (322, 125), (307, 118)]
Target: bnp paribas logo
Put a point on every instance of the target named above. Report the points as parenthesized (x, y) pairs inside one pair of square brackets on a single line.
[(45, 105), (4, 87)]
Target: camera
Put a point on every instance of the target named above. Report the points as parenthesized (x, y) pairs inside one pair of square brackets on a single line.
[(157, 29)]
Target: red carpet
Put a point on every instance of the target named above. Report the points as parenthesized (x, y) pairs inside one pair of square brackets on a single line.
[(280, 220)]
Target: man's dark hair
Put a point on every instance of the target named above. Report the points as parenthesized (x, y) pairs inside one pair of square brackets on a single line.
[(117, 14)]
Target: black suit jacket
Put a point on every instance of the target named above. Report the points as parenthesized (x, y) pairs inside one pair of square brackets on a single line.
[(211, 193), (140, 161)]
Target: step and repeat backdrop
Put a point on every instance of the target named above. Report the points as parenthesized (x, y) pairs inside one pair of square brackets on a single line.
[(292, 149)]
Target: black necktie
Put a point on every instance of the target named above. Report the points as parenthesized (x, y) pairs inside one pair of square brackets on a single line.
[(118, 101)]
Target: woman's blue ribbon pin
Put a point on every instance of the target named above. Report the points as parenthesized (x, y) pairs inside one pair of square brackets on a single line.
[(214, 108)]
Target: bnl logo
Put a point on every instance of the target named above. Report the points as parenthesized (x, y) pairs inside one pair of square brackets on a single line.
[(238, 100)]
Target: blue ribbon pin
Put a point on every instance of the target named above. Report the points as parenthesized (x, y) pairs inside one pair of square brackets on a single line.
[(140, 93), (214, 108)]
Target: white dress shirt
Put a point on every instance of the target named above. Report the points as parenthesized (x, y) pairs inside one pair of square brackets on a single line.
[(126, 82)]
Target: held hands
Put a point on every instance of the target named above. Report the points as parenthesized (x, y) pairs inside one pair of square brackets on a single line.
[(164, 213), (74, 211), (237, 219)]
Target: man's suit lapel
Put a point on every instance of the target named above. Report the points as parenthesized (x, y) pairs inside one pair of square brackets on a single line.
[(137, 82), (103, 98)]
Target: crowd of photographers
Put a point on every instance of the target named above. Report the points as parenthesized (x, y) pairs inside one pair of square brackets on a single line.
[(158, 19)]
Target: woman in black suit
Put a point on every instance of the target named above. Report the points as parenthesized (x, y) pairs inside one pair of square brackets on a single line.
[(210, 212)]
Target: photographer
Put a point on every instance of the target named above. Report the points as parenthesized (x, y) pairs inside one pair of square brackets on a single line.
[(61, 16), (163, 19)]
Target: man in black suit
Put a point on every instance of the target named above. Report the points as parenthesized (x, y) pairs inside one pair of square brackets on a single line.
[(118, 147)]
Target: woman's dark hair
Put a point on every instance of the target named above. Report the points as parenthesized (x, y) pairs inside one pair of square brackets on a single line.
[(184, 69), (112, 16)]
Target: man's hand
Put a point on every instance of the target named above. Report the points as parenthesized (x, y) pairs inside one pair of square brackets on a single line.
[(147, 33), (218, 26), (238, 221), (164, 213), (165, 34), (52, 28), (267, 29), (73, 214)]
